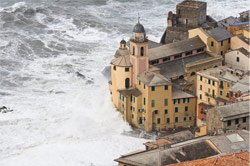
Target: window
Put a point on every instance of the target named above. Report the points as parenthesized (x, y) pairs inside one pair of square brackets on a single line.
[(166, 111), (127, 83), (221, 92), (156, 112), (153, 103), (122, 98), (176, 119), (221, 43), (212, 43), (229, 123), (132, 116), (244, 119), (168, 120), (199, 50), (221, 84), (142, 51), (236, 121), (176, 109), (166, 59), (144, 86), (126, 69), (190, 118), (144, 102), (229, 40), (134, 99), (114, 67), (176, 101), (213, 93), (221, 53), (232, 72), (200, 87), (208, 90), (153, 88), (208, 99), (186, 108), (227, 94), (140, 120), (166, 102), (209, 81), (185, 118), (131, 98), (192, 74), (200, 96), (213, 82), (238, 59), (139, 82), (166, 87), (159, 120), (186, 100), (131, 108), (133, 51), (200, 78)]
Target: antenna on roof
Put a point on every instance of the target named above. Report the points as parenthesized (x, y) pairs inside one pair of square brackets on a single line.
[(138, 17)]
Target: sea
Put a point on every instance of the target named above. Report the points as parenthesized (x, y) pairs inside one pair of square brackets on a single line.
[(53, 56)]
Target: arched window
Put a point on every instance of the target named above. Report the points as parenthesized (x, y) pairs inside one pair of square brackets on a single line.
[(192, 74), (181, 77), (127, 83), (142, 51), (133, 50)]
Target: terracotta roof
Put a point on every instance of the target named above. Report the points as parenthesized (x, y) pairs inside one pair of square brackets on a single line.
[(175, 48), (122, 61), (240, 158), (153, 79)]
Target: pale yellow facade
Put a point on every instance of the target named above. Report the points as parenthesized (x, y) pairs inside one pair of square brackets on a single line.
[(147, 99)]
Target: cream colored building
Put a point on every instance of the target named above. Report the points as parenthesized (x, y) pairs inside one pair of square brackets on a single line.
[(238, 59), (218, 40), (145, 97)]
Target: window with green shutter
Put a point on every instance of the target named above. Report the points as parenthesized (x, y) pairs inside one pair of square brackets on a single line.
[(200, 96), (213, 82), (200, 78), (159, 120), (144, 101), (168, 120), (209, 81), (227, 94), (176, 109), (185, 119), (238, 59), (244, 119), (166, 87), (166, 111), (221, 92), (229, 123), (186, 108), (153, 103), (166, 102), (176, 119), (153, 88)]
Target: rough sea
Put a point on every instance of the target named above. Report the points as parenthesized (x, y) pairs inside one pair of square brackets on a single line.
[(52, 54)]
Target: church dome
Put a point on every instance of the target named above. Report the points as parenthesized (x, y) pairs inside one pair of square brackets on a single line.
[(122, 41), (138, 28)]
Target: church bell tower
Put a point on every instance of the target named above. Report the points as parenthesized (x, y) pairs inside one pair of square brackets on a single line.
[(138, 52)]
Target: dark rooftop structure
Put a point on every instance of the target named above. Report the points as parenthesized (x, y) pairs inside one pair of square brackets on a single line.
[(175, 48), (243, 51), (138, 28), (219, 34), (177, 67), (243, 38)]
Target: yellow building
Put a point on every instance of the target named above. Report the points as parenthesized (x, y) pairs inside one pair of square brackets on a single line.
[(214, 89), (218, 40), (241, 40), (147, 99)]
